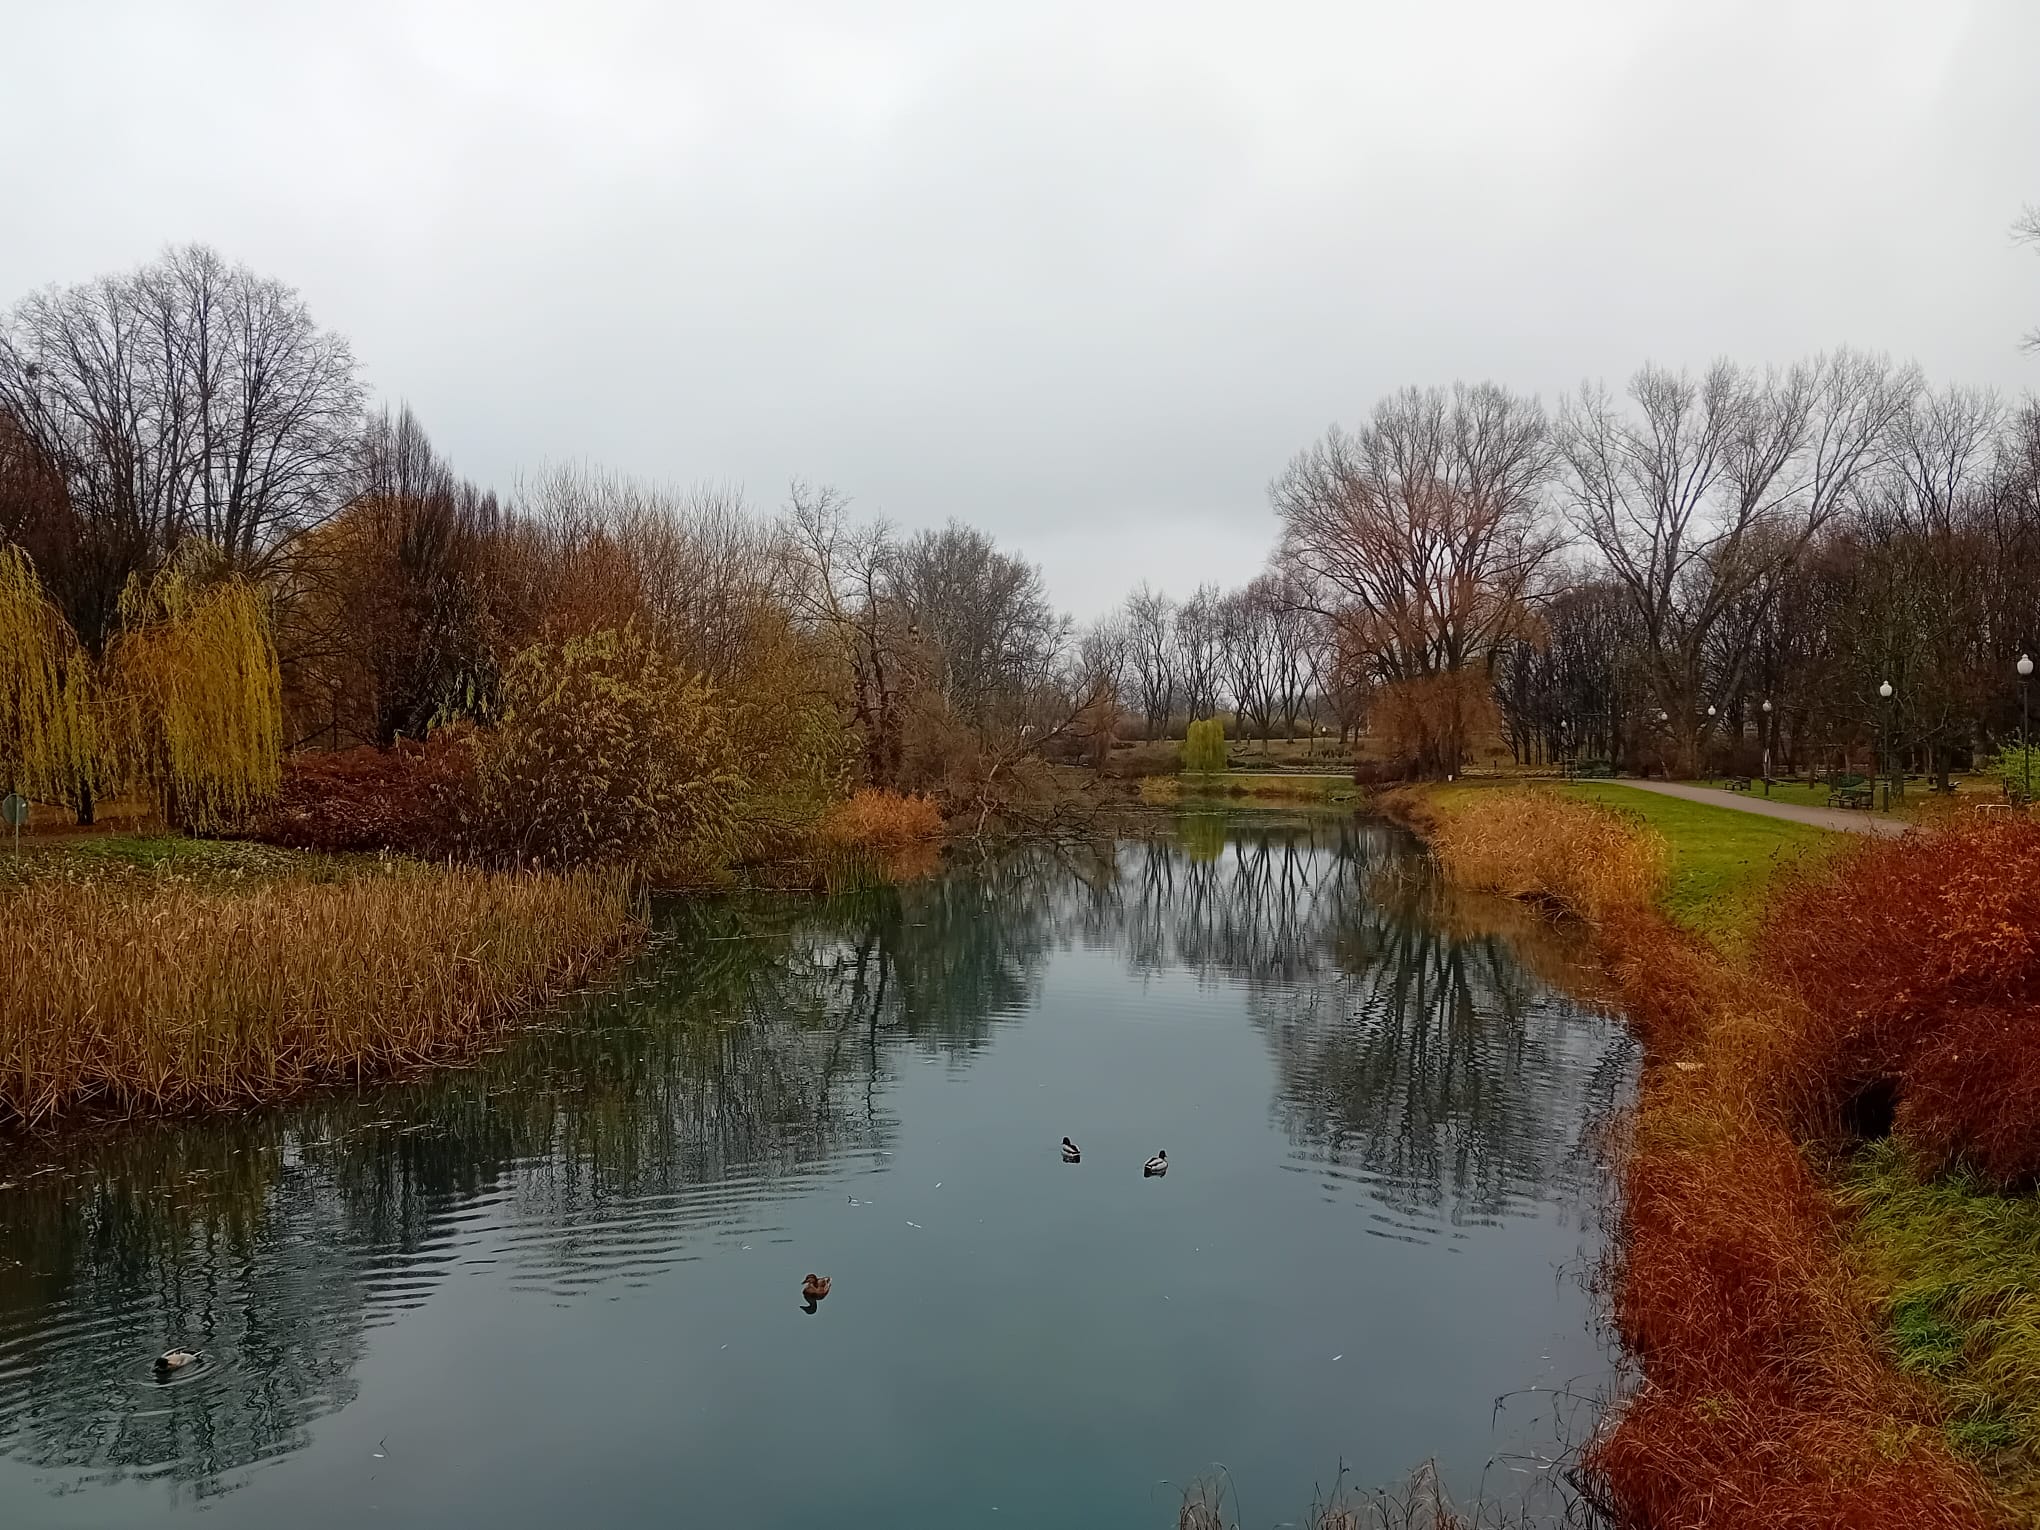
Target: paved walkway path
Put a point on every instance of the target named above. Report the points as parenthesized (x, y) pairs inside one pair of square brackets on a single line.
[(1844, 820)]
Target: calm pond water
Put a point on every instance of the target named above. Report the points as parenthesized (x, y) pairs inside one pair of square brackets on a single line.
[(563, 1287)]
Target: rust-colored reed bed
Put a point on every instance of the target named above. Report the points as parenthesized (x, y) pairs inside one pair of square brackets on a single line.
[(122, 998), (1768, 1400)]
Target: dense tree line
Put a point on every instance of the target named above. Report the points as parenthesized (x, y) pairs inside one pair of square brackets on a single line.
[(1630, 577), (192, 417)]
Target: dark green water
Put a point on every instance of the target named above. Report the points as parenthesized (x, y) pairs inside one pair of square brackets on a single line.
[(563, 1287)]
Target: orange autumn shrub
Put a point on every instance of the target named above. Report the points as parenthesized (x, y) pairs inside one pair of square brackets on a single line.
[(882, 821), (410, 798)]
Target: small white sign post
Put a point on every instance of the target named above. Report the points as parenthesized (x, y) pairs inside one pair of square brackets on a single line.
[(14, 808)]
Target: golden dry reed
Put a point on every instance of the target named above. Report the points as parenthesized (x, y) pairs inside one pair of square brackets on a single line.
[(117, 1000), (882, 821), (1587, 859)]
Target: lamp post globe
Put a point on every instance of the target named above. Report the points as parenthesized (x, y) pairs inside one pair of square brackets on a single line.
[(2025, 734), (1884, 742)]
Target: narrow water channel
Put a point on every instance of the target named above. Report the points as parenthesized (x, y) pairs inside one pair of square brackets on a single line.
[(563, 1287)]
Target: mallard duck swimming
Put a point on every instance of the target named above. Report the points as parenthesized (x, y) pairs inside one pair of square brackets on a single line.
[(174, 1360), (1157, 1165), (1071, 1153), (814, 1288)]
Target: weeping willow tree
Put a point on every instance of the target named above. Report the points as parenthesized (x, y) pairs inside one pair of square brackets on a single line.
[(1204, 746), (200, 697), (50, 726)]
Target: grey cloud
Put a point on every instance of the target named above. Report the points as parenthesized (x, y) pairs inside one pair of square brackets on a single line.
[(1083, 275)]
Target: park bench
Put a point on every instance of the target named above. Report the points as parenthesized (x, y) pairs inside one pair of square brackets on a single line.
[(1739, 783), (1847, 790)]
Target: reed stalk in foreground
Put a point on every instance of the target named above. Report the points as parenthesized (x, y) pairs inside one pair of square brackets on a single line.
[(117, 999)]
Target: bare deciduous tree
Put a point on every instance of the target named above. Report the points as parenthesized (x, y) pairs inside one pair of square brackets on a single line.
[(842, 579), (1199, 647), (2027, 231), (1151, 650), (1421, 534), (1704, 496), (1250, 655), (986, 615), (189, 398)]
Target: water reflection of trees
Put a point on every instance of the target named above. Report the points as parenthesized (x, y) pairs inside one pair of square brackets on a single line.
[(753, 1048), (1421, 1049)]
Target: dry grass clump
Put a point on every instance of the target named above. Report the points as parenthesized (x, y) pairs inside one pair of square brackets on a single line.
[(1421, 1503), (120, 998), (1586, 859), (882, 821)]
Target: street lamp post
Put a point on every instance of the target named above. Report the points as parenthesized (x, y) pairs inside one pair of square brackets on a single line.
[(1884, 740), (2025, 737), (1767, 746)]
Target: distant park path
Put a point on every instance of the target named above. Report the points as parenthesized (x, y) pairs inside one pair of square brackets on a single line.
[(1844, 821)]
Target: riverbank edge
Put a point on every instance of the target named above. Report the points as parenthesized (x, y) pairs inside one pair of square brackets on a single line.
[(1764, 1397)]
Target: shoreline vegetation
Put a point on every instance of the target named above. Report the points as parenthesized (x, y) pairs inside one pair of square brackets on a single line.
[(1828, 1238), (181, 982), (157, 973)]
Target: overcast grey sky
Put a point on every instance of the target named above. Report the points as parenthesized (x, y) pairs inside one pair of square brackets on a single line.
[(1083, 274)]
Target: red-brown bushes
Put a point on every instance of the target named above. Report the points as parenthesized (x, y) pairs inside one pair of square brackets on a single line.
[(1767, 1400), (1912, 959), (410, 798), (1971, 1093)]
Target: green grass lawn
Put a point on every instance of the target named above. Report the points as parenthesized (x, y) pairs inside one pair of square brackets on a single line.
[(1723, 860), (1272, 787), (178, 857), (1953, 1269), (1798, 793)]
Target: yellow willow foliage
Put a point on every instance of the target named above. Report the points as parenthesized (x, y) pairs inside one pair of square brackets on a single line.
[(49, 706), (201, 698)]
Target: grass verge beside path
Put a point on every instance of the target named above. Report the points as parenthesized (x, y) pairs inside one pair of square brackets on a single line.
[(1954, 1268), (1723, 862)]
